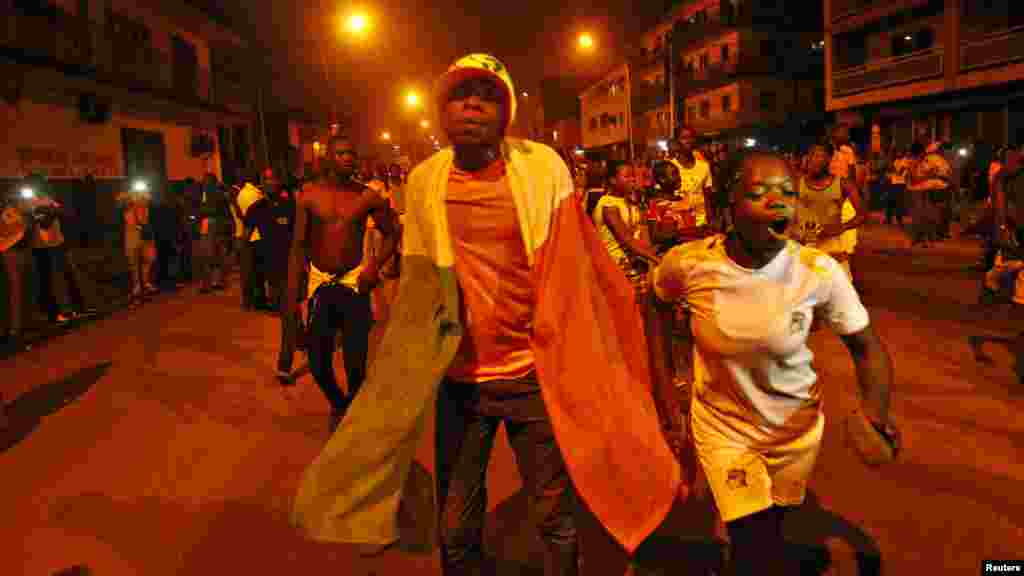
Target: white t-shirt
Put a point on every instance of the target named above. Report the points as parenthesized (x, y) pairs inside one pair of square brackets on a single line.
[(694, 181), (750, 328)]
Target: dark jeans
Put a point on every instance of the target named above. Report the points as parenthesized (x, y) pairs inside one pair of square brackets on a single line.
[(895, 203), (165, 258), (756, 546), (468, 416), (15, 264), (290, 327), (254, 276), (59, 281), (335, 307)]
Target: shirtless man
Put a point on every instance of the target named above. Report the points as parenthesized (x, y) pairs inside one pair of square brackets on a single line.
[(330, 224)]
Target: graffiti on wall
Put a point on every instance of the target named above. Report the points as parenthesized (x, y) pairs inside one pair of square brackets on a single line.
[(56, 163)]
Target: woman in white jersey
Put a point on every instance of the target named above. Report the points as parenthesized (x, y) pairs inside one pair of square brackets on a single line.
[(756, 418)]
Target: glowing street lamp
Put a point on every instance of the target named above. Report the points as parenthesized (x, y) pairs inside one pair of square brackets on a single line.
[(386, 136), (357, 23), (412, 99), (424, 124), (586, 41), (140, 186), (28, 193)]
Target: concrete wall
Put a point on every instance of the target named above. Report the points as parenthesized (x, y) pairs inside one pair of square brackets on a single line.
[(598, 100), (52, 139)]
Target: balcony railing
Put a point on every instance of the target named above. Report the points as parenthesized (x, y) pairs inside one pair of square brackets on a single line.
[(690, 80), (995, 49), (716, 123), (914, 67)]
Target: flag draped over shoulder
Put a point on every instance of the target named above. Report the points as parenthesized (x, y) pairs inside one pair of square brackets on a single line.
[(589, 347)]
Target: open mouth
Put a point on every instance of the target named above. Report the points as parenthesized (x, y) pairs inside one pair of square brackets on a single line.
[(778, 227)]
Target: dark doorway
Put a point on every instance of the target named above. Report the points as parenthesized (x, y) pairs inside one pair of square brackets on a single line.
[(145, 158), (1015, 128), (185, 68), (227, 167)]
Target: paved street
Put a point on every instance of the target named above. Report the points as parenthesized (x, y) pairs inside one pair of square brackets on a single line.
[(157, 442)]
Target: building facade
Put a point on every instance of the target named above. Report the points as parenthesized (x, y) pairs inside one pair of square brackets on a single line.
[(604, 114), (738, 69), (121, 90), (951, 69)]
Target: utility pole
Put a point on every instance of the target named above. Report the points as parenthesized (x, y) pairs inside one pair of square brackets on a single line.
[(670, 79)]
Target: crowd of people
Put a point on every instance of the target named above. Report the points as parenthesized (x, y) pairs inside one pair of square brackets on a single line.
[(684, 286), (508, 300)]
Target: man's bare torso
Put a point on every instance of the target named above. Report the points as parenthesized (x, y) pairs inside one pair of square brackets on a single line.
[(336, 226)]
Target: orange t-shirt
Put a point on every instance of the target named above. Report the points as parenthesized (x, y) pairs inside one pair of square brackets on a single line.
[(493, 272)]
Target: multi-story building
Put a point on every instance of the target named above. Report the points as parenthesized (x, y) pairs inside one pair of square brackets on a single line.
[(740, 68), (121, 90), (560, 103), (604, 114), (950, 68)]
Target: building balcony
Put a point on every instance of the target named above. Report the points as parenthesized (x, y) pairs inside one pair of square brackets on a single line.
[(722, 73), (708, 77), (716, 123), (921, 65), (687, 36), (855, 14), (999, 48)]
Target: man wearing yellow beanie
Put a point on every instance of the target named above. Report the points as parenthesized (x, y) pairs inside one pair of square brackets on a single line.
[(509, 311)]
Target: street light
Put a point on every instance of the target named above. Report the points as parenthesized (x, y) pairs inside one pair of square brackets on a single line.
[(586, 41), (140, 186), (28, 193), (385, 136), (357, 23), (424, 124), (412, 99)]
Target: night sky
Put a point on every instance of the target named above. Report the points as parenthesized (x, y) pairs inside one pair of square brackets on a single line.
[(413, 41)]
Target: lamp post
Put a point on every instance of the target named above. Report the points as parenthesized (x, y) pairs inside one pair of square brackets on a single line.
[(357, 26)]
